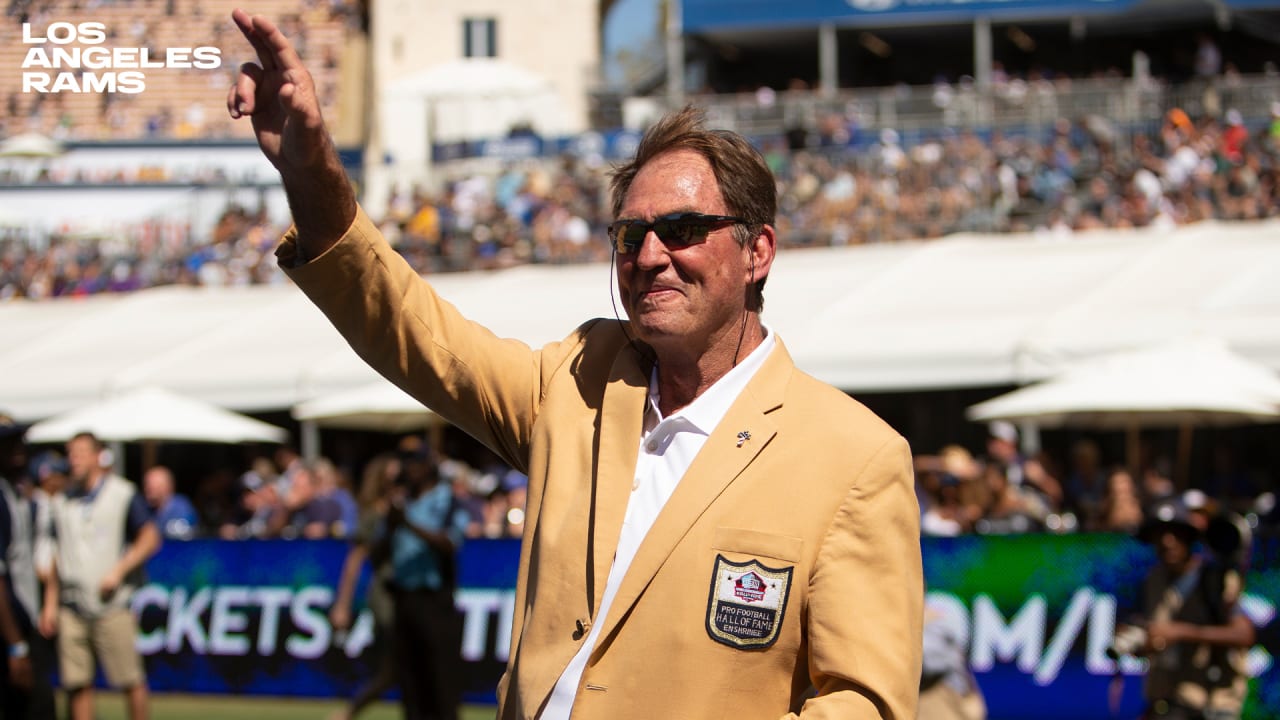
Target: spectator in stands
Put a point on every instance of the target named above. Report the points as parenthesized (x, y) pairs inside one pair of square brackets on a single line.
[(1234, 137), (1041, 492), (333, 484), (951, 503), (1155, 481), (498, 513), (1086, 482), (305, 512), (1208, 62), (1273, 128), (288, 463), (1120, 509), (173, 513), (86, 602), (1071, 180), (944, 513), (1008, 510), (260, 504)]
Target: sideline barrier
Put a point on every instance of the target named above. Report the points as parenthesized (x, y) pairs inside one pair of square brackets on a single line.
[(251, 618)]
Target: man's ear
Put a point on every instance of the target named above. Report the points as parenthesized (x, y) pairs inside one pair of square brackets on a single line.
[(761, 251)]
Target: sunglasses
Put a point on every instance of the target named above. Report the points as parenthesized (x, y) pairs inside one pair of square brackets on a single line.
[(676, 231)]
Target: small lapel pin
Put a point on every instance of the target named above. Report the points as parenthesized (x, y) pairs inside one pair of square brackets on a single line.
[(743, 437)]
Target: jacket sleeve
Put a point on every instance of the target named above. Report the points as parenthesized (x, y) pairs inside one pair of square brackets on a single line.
[(866, 598), (395, 321)]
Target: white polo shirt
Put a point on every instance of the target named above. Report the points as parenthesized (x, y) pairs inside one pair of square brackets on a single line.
[(667, 449)]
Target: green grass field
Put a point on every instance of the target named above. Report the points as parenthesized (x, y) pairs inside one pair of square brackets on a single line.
[(110, 706)]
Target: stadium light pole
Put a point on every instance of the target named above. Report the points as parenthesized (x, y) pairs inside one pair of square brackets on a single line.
[(675, 54), (982, 56), (828, 60)]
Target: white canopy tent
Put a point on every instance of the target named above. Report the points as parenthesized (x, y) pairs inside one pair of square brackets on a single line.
[(378, 406), (967, 311), (30, 145), (1186, 383), (1194, 382), (152, 413)]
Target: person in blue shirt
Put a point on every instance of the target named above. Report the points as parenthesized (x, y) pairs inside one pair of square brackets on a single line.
[(332, 483), (175, 516), (425, 526)]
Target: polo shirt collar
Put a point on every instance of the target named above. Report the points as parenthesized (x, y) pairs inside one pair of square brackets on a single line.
[(708, 409)]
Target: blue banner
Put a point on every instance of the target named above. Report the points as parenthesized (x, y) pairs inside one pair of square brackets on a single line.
[(251, 618), (609, 146), (704, 15)]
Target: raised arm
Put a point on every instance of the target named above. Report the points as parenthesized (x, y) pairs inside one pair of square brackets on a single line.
[(279, 96)]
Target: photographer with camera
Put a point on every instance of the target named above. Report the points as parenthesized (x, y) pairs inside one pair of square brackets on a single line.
[(425, 527), (1192, 630)]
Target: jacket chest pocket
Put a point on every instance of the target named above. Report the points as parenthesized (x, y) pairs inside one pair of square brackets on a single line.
[(742, 541), (751, 578)]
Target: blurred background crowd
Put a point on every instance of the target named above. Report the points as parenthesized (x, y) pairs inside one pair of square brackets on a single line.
[(838, 187), (997, 490)]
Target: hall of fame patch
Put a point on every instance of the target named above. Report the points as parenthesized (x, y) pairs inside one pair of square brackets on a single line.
[(747, 603)]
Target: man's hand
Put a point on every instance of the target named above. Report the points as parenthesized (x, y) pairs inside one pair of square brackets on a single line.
[(1162, 634), (279, 96), (48, 621), (109, 583), (20, 673), (340, 616)]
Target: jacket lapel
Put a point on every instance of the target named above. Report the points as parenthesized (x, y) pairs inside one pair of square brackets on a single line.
[(721, 460), (622, 417)]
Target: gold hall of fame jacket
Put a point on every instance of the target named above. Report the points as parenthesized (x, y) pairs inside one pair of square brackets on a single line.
[(782, 578)]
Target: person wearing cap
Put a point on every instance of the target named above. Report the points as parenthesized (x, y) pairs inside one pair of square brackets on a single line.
[(25, 690), (49, 472), (1196, 634), (710, 532), (1038, 492)]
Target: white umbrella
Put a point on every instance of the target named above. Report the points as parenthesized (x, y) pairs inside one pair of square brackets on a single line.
[(1198, 383), (155, 414), (30, 145), (1186, 384), (378, 406)]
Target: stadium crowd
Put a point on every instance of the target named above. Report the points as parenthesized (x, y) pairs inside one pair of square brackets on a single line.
[(281, 495), (997, 490), (1083, 174), (1005, 492), (180, 103)]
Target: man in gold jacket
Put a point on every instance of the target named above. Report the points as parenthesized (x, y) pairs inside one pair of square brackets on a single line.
[(710, 532)]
